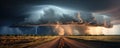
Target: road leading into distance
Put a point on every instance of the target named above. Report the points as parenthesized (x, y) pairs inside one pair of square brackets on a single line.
[(63, 42)]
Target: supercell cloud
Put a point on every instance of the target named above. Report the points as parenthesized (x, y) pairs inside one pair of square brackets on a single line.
[(66, 21), (68, 17), (50, 14)]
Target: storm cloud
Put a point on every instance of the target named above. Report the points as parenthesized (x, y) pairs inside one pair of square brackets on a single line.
[(50, 14), (14, 12)]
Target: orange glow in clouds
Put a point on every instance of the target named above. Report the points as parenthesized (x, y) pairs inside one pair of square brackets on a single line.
[(94, 30)]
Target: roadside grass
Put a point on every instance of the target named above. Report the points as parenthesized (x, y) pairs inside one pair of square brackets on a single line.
[(111, 38), (23, 41)]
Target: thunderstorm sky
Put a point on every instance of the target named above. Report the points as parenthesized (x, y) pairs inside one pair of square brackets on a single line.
[(34, 12)]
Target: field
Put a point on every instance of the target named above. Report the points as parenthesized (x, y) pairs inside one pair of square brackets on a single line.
[(97, 38), (68, 41), (23, 41)]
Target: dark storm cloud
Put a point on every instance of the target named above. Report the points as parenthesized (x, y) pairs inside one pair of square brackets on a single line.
[(51, 14), (11, 10), (115, 14), (113, 11), (8, 30), (43, 30)]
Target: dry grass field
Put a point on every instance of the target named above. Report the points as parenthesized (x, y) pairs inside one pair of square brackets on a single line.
[(98, 38), (23, 41)]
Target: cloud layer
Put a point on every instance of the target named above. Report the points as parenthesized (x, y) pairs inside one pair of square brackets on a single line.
[(50, 14)]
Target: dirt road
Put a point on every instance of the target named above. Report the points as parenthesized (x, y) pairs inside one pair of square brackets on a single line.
[(63, 42)]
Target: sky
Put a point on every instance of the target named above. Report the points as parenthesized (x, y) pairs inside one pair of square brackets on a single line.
[(17, 11)]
